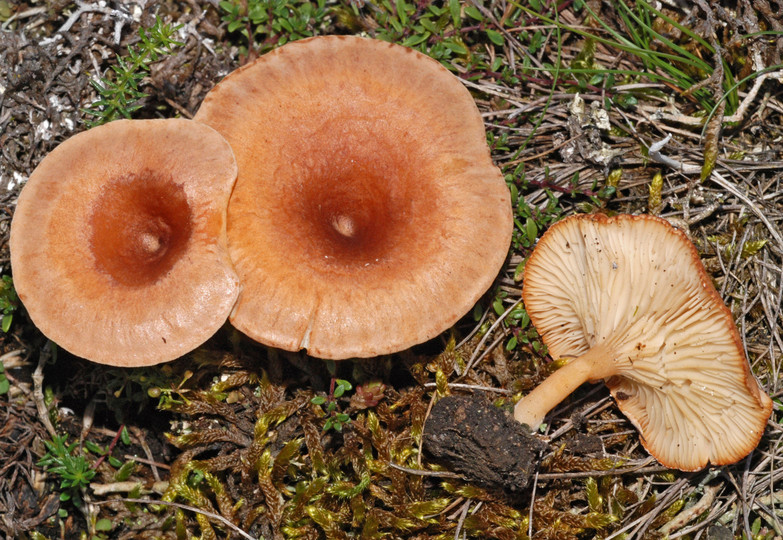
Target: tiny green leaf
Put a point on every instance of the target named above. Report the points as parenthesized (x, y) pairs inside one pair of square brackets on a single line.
[(6, 324), (454, 8), (495, 37), (474, 13), (125, 436), (531, 230)]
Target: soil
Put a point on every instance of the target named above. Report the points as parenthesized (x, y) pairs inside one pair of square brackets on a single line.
[(487, 446)]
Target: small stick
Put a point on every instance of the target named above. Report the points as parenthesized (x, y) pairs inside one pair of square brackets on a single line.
[(125, 487), (38, 393), (423, 472), (685, 517), (150, 462)]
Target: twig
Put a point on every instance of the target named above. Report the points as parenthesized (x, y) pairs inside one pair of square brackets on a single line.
[(38, 393), (23, 15), (731, 188), (423, 472), (121, 18), (475, 330), (462, 515), (130, 485), (599, 473), (154, 464), (463, 386), (532, 506), (685, 517), (655, 154), (473, 360), (640, 525), (139, 434), (5, 359)]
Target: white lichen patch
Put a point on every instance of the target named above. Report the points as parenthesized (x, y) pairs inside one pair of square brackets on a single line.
[(43, 130), (599, 116), (16, 179)]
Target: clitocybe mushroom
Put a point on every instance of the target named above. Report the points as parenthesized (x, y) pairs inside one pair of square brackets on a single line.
[(628, 298), (367, 215), (118, 244)]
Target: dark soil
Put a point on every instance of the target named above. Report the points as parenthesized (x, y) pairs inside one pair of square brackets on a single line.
[(481, 442)]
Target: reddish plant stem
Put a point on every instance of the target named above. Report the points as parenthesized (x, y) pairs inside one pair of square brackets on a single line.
[(111, 447)]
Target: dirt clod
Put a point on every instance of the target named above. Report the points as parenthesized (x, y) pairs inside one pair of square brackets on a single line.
[(481, 442)]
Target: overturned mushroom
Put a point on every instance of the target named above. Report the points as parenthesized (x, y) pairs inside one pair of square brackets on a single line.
[(367, 215), (118, 244), (629, 299)]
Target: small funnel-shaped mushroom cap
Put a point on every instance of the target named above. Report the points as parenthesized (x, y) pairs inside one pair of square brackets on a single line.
[(632, 289), (367, 215), (118, 243)]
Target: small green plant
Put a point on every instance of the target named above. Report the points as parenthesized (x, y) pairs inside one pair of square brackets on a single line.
[(267, 24), (336, 420), (9, 301), (432, 28), (70, 464), (121, 94)]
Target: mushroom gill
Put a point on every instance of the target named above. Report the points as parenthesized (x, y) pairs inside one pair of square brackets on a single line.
[(629, 300)]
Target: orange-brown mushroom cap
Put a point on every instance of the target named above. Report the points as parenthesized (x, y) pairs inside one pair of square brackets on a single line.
[(629, 297), (367, 215), (118, 244)]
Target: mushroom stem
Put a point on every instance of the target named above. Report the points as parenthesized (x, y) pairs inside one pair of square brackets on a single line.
[(597, 363)]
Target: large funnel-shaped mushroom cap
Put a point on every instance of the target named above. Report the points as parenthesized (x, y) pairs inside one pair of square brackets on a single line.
[(118, 243), (367, 215), (633, 289)]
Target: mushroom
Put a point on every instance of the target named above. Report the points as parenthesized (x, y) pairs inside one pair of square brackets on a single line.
[(367, 215), (118, 244), (628, 298)]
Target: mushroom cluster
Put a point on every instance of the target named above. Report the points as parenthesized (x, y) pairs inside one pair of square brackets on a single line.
[(367, 215), (628, 299)]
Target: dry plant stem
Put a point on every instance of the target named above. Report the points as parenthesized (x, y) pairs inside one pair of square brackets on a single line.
[(656, 155), (38, 393), (121, 18), (12, 359), (463, 386), (475, 358), (601, 473), (125, 487), (424, 472), (23, 15), (139, 434), (597, 363), (686, 516)]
